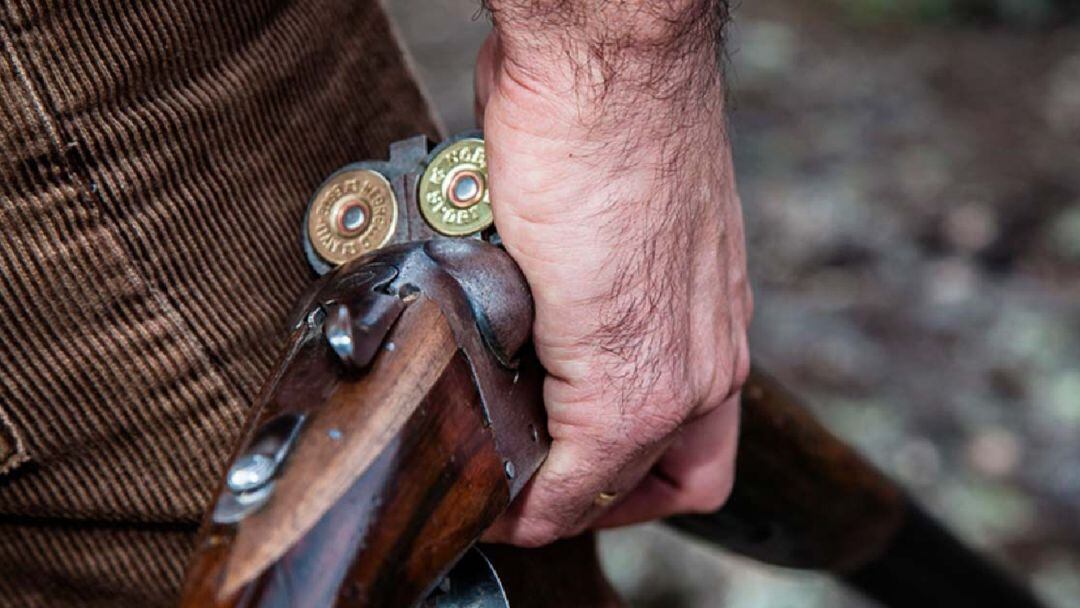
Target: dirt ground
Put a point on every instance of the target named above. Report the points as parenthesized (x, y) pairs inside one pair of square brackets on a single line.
[(913, 202)]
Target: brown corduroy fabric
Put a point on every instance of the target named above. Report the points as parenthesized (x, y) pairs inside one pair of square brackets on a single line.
[(155, 161)]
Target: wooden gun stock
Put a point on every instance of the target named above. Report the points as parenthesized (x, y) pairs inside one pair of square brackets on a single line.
[(431, 483), (389, 438)]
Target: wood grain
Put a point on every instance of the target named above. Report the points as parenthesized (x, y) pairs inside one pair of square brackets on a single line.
[(368, 413), (375, 517)]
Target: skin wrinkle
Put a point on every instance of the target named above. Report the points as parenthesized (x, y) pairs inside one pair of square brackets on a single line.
[(645, 337), (641, 300)]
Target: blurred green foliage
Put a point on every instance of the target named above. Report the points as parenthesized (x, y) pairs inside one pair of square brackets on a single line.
[(1010, 12)]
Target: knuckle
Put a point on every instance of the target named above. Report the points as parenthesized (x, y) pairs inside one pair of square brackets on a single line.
[(656, 422), (628, 424), (741, 370), (749, 306), (566, 484), (729, 377), (710, 497), (678, 394), (537, 532)]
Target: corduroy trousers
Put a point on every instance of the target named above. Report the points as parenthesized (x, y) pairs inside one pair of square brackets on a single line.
[(155, 161)]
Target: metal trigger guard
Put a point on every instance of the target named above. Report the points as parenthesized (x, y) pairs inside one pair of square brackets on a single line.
[(472, 583)]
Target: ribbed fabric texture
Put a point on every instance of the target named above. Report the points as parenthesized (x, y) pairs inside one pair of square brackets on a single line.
[(155, 162)]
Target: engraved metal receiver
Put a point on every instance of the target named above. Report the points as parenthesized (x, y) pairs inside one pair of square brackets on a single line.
[(406, 412)]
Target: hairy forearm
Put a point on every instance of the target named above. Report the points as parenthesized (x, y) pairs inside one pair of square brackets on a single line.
[(620, 61), (645, 22)]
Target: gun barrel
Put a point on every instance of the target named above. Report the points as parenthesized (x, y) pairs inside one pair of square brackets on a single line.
[(925, 565), (805, 499)]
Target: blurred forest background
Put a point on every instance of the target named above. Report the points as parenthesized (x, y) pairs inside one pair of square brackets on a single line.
[(910, 171)]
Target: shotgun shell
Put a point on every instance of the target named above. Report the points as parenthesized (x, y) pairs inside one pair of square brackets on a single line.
[(353, 213), (453, 194)]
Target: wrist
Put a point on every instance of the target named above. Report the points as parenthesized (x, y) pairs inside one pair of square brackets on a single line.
[(553, 101), (636, 21), (595, 48)]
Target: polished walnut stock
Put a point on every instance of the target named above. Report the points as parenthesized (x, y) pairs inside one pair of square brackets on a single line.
[(390, 460)]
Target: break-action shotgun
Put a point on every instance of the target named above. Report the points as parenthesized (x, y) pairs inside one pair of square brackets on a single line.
[(406, 414)]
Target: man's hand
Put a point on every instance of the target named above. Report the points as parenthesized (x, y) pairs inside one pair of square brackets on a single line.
[(613, 189)]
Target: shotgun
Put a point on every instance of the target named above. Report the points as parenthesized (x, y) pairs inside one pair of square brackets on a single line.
[(406, 415)]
